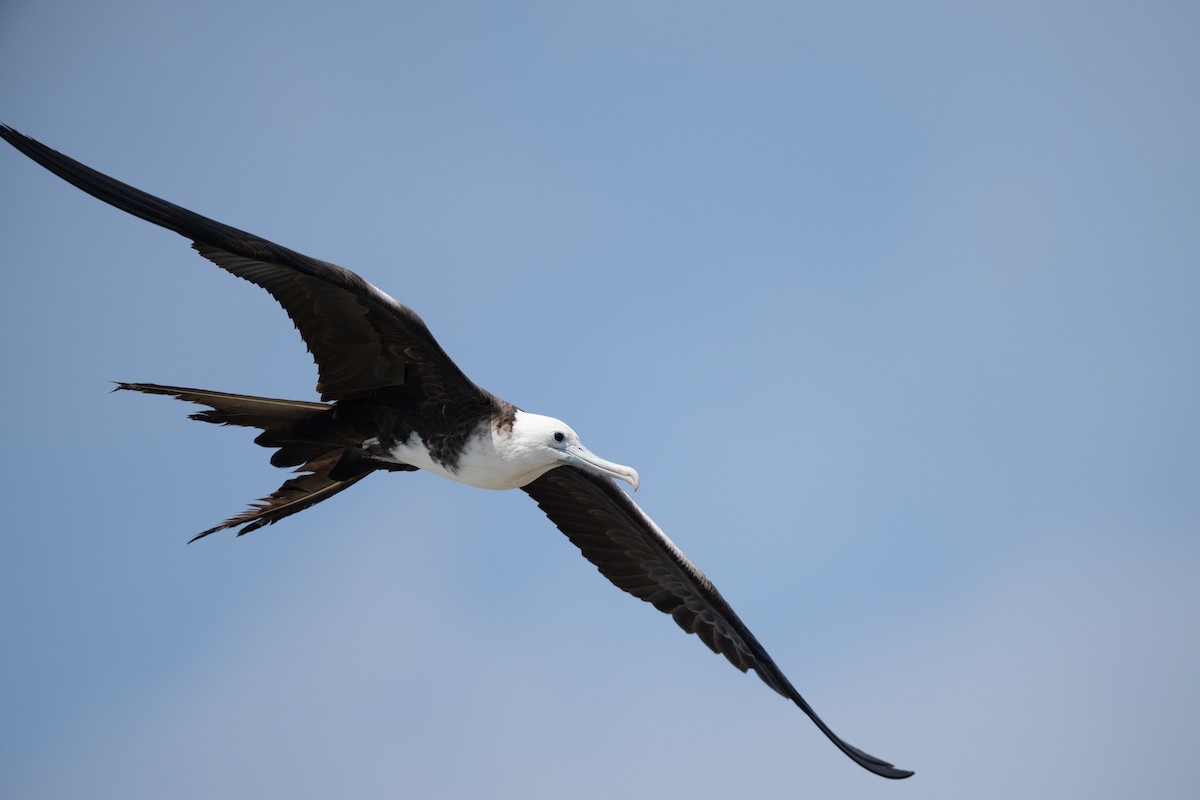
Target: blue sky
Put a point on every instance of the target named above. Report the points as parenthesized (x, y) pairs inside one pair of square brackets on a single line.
[(893, 306)]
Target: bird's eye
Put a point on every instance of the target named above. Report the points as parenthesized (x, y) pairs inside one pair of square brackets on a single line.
[(558, 436)]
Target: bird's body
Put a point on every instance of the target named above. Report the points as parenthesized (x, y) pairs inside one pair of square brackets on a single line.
[(502, 454), (394, 401), (489, 459)]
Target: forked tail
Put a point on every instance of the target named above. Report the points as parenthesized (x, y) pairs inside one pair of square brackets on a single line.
[(308, 436)]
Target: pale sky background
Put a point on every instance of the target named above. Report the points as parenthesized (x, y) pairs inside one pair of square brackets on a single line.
[(895, 306)]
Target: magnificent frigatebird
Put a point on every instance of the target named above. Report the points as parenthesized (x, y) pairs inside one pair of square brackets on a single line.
[(395, 401)]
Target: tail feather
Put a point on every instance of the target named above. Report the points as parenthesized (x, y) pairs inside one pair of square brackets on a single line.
[(292, 454), (294, 496), (238, 409), (307, 436)]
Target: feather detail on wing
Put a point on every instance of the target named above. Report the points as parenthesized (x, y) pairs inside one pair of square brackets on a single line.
[(631, 551), (361, 338)]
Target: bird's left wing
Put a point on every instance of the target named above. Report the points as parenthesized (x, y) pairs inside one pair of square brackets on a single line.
[(632, 552), (362, 339)]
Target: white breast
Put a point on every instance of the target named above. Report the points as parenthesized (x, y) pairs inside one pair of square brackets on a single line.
[(492, 459)]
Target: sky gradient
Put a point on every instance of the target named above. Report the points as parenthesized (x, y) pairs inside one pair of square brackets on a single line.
[(893, 307)]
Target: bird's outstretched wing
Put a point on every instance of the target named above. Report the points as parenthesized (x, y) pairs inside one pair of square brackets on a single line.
[(361, 338), (632, 552)]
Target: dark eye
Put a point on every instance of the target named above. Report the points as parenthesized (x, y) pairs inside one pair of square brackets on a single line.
[(558, 436)]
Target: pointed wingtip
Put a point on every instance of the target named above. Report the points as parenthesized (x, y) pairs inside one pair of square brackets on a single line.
[(869, 762), (891, 772), (882, 768)]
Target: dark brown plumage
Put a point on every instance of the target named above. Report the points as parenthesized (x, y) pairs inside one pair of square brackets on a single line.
[(385, 378)]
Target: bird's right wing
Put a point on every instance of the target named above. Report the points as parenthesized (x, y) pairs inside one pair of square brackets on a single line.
[(632, 552)]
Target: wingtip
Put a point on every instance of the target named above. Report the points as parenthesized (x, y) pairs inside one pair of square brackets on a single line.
[(871, 763), (891, 772)]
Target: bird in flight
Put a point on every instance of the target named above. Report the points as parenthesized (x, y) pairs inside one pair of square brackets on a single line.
[(394, 401)]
